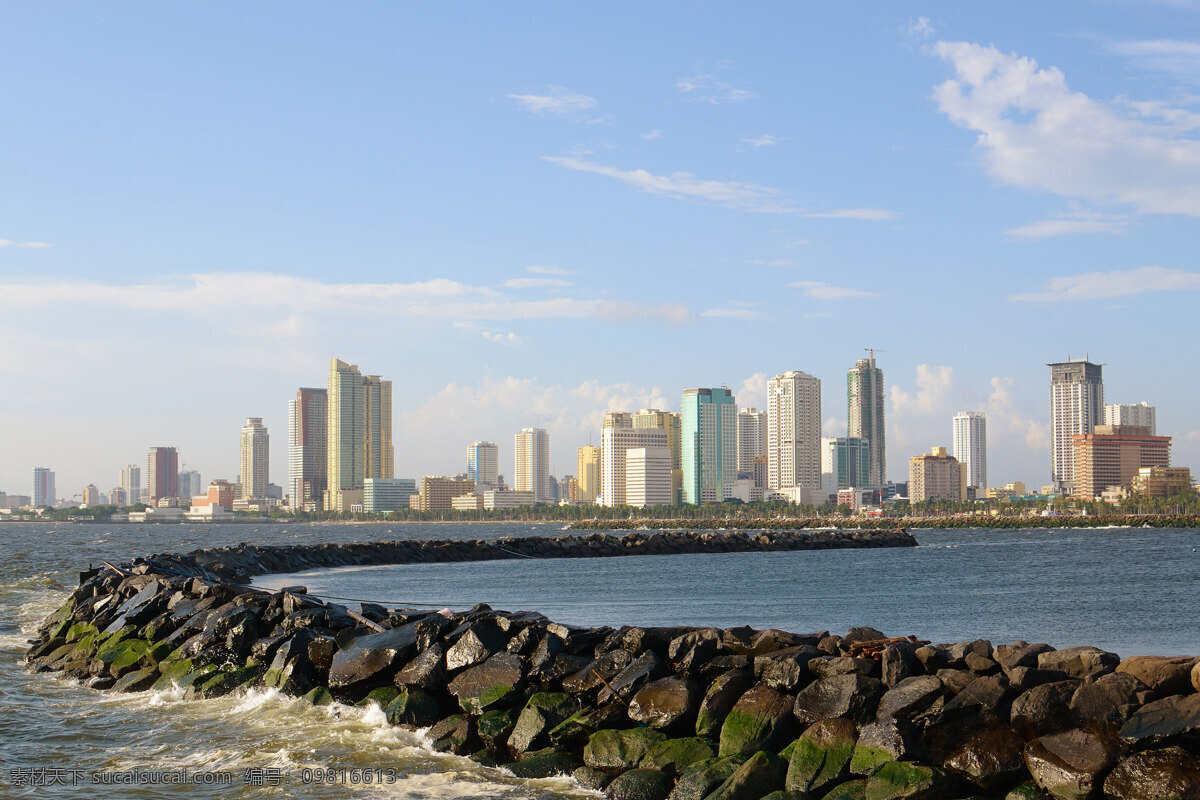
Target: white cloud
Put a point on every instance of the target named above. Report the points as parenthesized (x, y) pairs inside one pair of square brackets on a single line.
[(1005, 417), (766, 140), (1069, 224), (557, 100), (38, 245), (1176, 56), (509, 338), (753, 393), (1117, 283), (654, 134), (870, 214), (833, 427), (548, 269), (919, 28), (934, 385), (823, 291), (774, 262), (1035, 133), (706, 88), (536, 283), (733, 313)]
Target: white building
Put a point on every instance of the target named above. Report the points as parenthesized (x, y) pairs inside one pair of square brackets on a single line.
[(44, 493), (1076, 406), (131, 483), (532, 463), (483, 465), (1135, 414), (506, 499), (970, 446), (618, 437), (256, 459), (648, 476), (751, 437), (387, 494), (794, 431)]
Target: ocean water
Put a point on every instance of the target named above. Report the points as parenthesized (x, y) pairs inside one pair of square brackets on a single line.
[(1131, 591)]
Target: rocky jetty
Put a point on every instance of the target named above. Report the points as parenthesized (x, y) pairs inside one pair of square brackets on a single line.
[(649, 713)]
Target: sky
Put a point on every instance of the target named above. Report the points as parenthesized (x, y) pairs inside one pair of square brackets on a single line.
[(529, 214)]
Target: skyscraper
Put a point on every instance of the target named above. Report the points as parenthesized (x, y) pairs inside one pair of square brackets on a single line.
[(970, 446), (751, 437), (845, 463), (794, 431), (618, 437), (532, 463), (653, 419), (482, 466), (378, 455), (162, 474), (189, 483), (864, 395), (1134, 414), (255, 458), (307, 443), (43, 487), (358, 433), (587, 467), (131, 483), (709, 444), (1076, 407)]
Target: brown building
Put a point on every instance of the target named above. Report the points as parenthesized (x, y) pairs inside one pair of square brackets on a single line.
[(437, 491), (936, 475), (1112, 456), (220, 493), (1161, 481)]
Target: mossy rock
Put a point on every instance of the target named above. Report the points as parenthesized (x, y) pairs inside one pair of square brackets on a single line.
[(413, 708), (86, 645), (784, 794), (592, 779), (79, 630), (673, 756), (866, 760), (762, 773), (382, 697), (223, 681), (61, 652), (483, 757), (850, 790), (543, 712), (703, 777), (319, 696), (136, 681), (198, 674), (1025, 791), (544, 764), (639, 784), (821, 757), (134, 656), (495, 726), (903, 779), (619, 750)]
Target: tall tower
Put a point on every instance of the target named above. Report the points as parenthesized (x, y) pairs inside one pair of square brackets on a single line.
[(162, 474), (653, 419), (588, 471), (378, 456), (255, 459), (1076, 407), (131, 483), (970, 446), (43, 487), (482, 465), (708, 431), (864, 393), (307, 442), (751, 437), (793, 431), (344, 433), (532, 463)]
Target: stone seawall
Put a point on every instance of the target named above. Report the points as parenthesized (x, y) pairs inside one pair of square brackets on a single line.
[(647, 713)]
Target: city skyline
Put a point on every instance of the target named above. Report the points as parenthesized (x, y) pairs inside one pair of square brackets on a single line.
[(515, 261)]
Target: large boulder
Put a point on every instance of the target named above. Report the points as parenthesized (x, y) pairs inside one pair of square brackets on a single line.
[(1163, 720), (454, 734), (1070, 765), (851, 696), (785, 670), (591, 677), (544, 763), (628, 681), (639, 784), (992, 758), (910, 697), (1019, 654), (1044, 709), (292, 671), (1080, 662), (760, 720), (481, 640), (761, 774), (616, 751), (673, 756), (1109, 699), (667, 703), (898, 780), (413, 708), (1155, 774), (722, 694), (820, 758), (899, 662), (492, 683), (1164, 674), (700, 779), (427, 671), (373, 659), (882, 742), (541, 714)]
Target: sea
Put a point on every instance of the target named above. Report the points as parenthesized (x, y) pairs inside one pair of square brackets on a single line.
[(1133, 591)]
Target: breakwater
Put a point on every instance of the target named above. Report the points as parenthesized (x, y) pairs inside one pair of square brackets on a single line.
[(650, 712)]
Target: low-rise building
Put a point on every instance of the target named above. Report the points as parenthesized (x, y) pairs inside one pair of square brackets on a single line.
[(1161, 481), (387, 494), (506, 499), (438, 490), (936, 475), (467, 502)]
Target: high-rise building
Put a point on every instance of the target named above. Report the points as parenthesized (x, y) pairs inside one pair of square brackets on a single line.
[(131, 483), (1076, 407), (438, 490), (378, 454), (617, 437), (970, 446), (255, 463), (709, 444), (864, 395), (588, 466), (653, 419), (1142, 414), (307, 443), (43, 487), (91, 495), (532, 463), (482, 465), (936, 475), (648, 477), (189, 483), (751, 437), (387, 494), (358, 433), (794, 431), (845, 463), (162, 474), (1111, 455), (117, 497)]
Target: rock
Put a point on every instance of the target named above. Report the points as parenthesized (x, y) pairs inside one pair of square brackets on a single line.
[(1163, 720), (667, 703), (382, 697), (694, 647), (617, 751), (1025, 678), (673, 756), (991, 694), (479, 642), (1164, 674), (373, 659), (319, 696), (1019, 654), (1110, 699), (1070, 765), (899, 662), (760, 720), (489, 684), (910, 697), (320, 652), (607, 665), (639, 784), (762, 773), (955, 680), (821, 756), (1044, 709), (577, 728), (826, 667), (785, 670), (292, 672), (851, 696), (1155, 774), (426, 671), (899, 779), (992, 758), (1026, 791), (544, 764), (413, 708), (1080, 662), (850, 790), (454, 734), (719, 665), (979, 665), (702, 778), (722, 694), (882, 742), (494, 727), (861, 634), (136, 681), (592, 779), (932, 658), (543, 655), (542, 712), (1196, 677), (628, 681)]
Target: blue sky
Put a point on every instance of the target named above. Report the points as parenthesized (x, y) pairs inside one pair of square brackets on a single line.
[(527, 215)]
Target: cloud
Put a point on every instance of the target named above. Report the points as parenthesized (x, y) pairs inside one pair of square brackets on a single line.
[(685, 186), (1117, 283), (654, 134), (766, 140), (753, 393), (733, 313), (871, 214), (833, 427), (548, 269), (536, 283), (509, 338), (774, 262), (1175, 56), (558, 101), (1005, 417), (1035, 133), (919, 28), (934, 385), (705, 88), (1069, 224), (823, 291), (35, 245)]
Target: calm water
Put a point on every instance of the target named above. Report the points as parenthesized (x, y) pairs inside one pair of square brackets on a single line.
[(1132, 591)]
